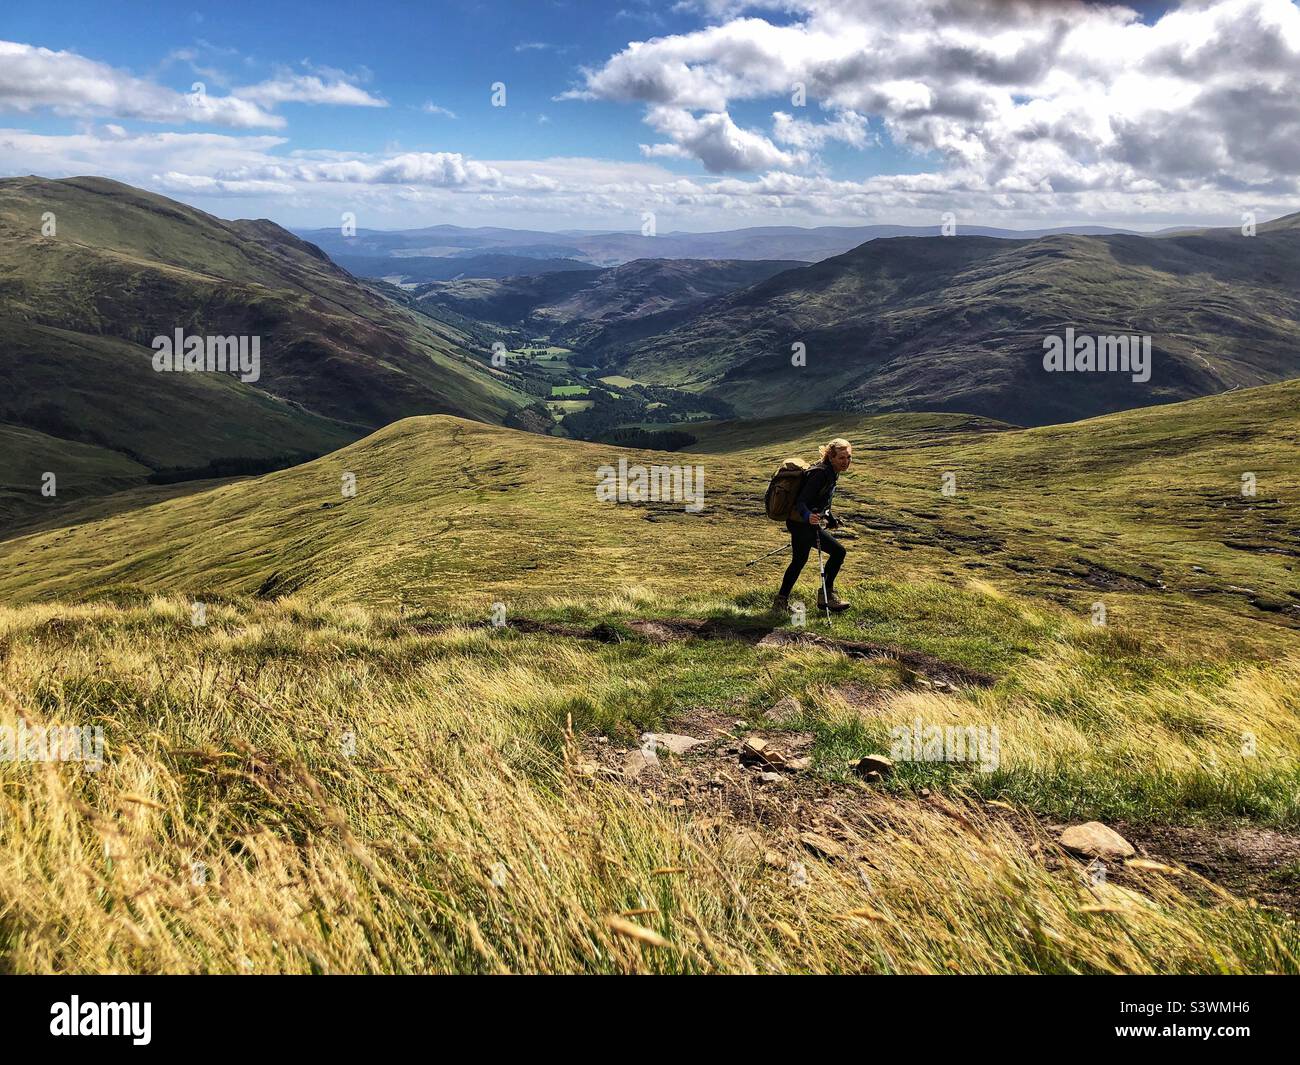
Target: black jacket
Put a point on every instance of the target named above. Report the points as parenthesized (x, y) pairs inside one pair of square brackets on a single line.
[(818, 490)]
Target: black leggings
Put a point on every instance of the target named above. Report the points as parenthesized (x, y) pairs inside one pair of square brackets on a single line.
[(803, 538)]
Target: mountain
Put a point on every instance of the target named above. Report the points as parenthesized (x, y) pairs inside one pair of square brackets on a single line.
[(578, 309), (81, 306), (421, 269), (613, 248), (959, 324)]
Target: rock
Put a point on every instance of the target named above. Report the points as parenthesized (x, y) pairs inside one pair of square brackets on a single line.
[(1095, 840), (823, 845), (771, 778), (872, 777), (639, 762), (786, 711), (799, 765), (753, 750), (873, 763), (744, 844), (668, 741)]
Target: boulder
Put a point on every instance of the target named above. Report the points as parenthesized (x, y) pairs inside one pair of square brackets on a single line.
[(786, 711), (1095, 840), (873, 763), (823, 845)]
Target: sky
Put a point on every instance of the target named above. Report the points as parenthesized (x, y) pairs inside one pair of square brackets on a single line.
[(705, 114)]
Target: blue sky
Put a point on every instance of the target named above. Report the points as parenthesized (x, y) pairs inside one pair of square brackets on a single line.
[(1016, 114)]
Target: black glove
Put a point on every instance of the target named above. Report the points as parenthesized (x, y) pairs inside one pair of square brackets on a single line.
[(832, 522)]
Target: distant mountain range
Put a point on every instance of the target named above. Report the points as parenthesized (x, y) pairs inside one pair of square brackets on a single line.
[(369, 247), (411, 270)]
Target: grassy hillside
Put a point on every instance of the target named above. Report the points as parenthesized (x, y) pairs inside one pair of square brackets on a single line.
[(446, 508), (368, 776), (957, 324), (80, 470), (79, 309)]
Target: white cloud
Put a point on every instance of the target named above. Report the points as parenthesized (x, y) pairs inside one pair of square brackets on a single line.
[(437, 169), (430, 108), (716, 141), (309, 89), (847, 126), (1020, 115), (33, 79), (1018, 101)]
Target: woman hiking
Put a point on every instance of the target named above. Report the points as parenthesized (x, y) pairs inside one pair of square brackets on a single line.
[(808, 523)]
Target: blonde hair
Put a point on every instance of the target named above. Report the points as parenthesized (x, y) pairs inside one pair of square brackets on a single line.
[(836, 445)]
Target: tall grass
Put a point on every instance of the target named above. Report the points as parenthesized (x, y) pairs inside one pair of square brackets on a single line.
[(299, 788)]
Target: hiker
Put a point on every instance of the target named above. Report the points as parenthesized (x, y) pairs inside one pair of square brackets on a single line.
[(809, 521)]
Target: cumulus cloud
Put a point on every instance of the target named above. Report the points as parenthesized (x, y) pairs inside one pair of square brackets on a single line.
[(716, 141), (438, 169), (848, 126), (1016, 99), (33, 79), (1018, 114)]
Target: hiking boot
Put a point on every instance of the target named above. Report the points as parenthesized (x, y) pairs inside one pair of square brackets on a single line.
[(781, 604), (834, 602)]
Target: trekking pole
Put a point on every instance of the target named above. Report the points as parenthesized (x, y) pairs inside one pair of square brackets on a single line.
[(826, 599), (760, 558)]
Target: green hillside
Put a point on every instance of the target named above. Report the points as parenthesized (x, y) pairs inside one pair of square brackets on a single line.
[(957, 324), (446, 509), (79, 310)]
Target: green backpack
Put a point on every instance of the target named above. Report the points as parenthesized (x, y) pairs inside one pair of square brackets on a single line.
[(784, 488)]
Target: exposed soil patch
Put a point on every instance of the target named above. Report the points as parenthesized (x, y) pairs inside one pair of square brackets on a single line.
[(1251, 862)]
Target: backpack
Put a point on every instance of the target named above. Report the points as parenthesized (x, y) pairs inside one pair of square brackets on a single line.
[(784, 488)]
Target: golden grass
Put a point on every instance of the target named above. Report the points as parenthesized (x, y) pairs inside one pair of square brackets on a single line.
[(459, 836)]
